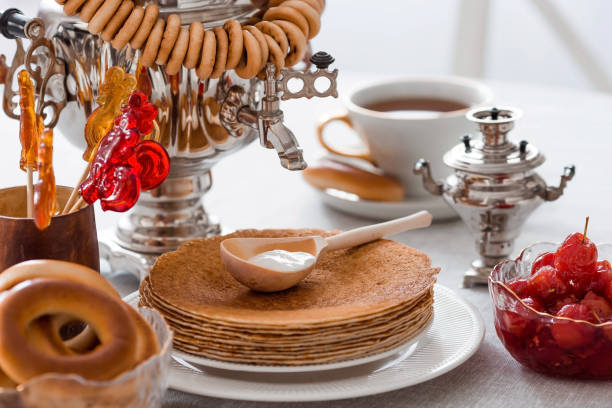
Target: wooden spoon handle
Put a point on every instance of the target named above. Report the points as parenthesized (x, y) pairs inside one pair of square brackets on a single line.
[(370, 233)]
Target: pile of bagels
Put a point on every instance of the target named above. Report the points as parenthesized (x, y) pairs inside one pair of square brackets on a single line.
[(279, 33), (38, 299)]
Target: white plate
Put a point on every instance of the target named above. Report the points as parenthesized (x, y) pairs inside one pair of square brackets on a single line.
[(385, 210), (454, 335)]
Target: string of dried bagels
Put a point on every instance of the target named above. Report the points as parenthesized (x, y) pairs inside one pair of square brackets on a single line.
[(279, 36)]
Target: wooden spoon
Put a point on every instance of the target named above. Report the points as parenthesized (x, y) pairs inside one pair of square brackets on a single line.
[(236, 252)]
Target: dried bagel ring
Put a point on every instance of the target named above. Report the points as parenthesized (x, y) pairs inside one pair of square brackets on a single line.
[(103, 16), (196, 37), (146, 341), (263, 45), (35, 298), (221, 52), (71, 7), (288, 14), (171, 33), (178, 53), (89, 9), (312, 17), (53, 269), (315, 5), (139, 39), (276, 33), (129, 28), (115, 24), (152, 46), (276, 56), (207, 61), (297, 42), (250, 63), (234, 33)]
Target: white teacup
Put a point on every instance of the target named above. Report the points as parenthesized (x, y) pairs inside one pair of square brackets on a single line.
[(396, 140)]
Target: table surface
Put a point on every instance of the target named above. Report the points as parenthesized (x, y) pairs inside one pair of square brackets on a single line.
[(252, 190)]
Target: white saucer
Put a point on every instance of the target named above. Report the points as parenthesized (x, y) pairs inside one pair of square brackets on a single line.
[(385, 210), (454, 336)]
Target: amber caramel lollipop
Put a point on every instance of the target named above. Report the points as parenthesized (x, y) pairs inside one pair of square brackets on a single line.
[(29, 131), (45, 203), (114, 92)]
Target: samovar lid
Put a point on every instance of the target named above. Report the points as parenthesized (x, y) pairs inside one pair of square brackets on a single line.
[(494, 153)]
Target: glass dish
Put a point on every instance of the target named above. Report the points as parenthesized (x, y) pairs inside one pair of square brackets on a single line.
[(527, 334), (144, 386)]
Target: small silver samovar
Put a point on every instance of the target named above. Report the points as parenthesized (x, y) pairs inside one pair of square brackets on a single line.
[(494, 187)]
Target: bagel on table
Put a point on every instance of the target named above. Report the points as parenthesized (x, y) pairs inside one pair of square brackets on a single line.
[(37, 298)]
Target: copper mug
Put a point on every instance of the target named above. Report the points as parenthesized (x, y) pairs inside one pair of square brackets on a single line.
[(71, 237)]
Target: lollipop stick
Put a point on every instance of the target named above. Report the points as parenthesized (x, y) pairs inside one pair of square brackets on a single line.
[(75, 191), (78, 205), (30, 192)]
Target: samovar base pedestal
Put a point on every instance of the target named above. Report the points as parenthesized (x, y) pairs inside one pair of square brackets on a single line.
[(122, 259), (163, 219), (478, 274)]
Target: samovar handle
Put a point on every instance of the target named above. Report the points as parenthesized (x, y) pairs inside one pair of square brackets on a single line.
[(422, 167), (553, 193), (14, 25)]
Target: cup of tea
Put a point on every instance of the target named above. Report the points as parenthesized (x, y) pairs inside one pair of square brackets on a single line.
[(71, 237), (404, 119)]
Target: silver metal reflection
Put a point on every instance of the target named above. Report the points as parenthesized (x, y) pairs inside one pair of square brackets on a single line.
[(494, 187), (199, 122)]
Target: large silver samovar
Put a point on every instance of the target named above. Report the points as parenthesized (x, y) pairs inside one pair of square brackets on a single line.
[(200, 121), (494, 187)]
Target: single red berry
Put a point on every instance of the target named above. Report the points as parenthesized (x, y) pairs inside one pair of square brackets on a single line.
[(569, 334), (545, 259), (599, 306), (534, 304), (547, 284), (560, 303), (514, 323), (600, 279), (576, 256), (519, 286), (577, 311)]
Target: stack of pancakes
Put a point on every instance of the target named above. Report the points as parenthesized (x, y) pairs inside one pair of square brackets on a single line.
[(357, 302)]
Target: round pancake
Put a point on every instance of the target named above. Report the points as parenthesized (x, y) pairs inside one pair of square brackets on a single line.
[(345, 284)]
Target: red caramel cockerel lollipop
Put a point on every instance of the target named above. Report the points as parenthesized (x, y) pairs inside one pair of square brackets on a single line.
[(30, 125), (124, 164), (113, 94), (45, 204)]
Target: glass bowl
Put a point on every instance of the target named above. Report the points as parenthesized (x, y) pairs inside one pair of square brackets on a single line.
[(144, 386), (529, 335)]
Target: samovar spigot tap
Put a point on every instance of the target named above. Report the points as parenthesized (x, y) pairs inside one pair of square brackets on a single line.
[(269, 120)]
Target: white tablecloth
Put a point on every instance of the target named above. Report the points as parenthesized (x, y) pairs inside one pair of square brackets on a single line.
[(252, 190)]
